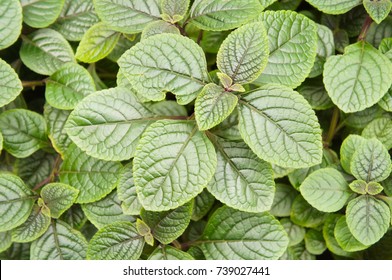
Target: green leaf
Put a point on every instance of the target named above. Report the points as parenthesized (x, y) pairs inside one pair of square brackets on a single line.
[(297, 252), (105, 211), (382, 250), (41, 13), (24, 132), (167, 108), (202, 205), (231, 234), (75, 19), (374, 188), (348, 148), (108, 124), (97, 43), (178, 66), (159, 27), (334, 6), (266, 3), (59, 242), (58, 198), (16, 201), (359, 78), (314, 242), (169, 253), (241, 181), (292, 45), (283, 200), (290, 134), (386, 100), (358, 186), (5, 241), (142, 228), (126, 191), (77, 168), (118, 241), (17, 251), (325, 48), (169, 225), (377, 32), (371, 161), (223, 15), (45, 51), (212, 40), (10, 85), (303, 214), (127, 17), (1, 142), (36, 225), (167, 168), (386, 47), (66, 87), (368, 219), (213, 105), (344, 237), (380, 128), (74, 217), (244, 53), (174, 8), (378, 10), (11, 23), (295, 233), (326, 190)]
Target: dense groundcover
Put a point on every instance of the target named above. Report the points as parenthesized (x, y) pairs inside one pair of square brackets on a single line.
[(204, 129)]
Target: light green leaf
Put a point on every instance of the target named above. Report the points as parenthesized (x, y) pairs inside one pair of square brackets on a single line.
[(97, 43), (280, 127), (174, 7), (292, 45), (358, 186), (75, 19), (285, 5), (167, 168), (325, 48), (178, 66), (380, 128), (314, 242), (348, 148), (5, 241), (1, 142), (66, 87), (386, 100), (16, 201), (128, 17), (386, 47), (45, 51), (335, 6), (374, 188), (58, 198), (108, 124), (169, 253), (241, 181), (59, 242), (24, 132), (202, 205), (326, 190), (105, 211), (377, 32), (295, 233), (280, 172), (378, 10), (243, 55), (283, 200), (213, 105), (10, 85), (77, 168), (159, 27), (126, 191), (266, 3), (35, 225), (168, 226), (371, 161), (231, 234), (359, 78), (41, 13), (223, 15), (368, 219), (303, 214), (142, 228), (344, 237), (11, 22)]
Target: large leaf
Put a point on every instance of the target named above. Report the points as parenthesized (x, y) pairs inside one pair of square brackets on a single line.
[(223, 15), (11, 22), (378, 10), (128, 16), (368, 219), (231, 234), (45, 51), (59, 242), (178, 66), (126, 191), (359, 78), (24, 132), (334, 6), (108, 124), (344, 237), (118, 241), (244, 53), (348, 148), (58, 198), (241, 181), (169, 253), (380, 128), (10, 85), (168, 170), (41, 13), (280, 127), (77, 168), (292, 45), (326, 190)]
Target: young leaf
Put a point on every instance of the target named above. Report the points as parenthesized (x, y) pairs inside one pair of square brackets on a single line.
[(223, 15), (374, 188), (378, 10), (292, 45), (358, 186), (11, 22), (334, 6), (213, 105), (126, 191), (295, 233), (231, 234), (283, 200), (178, 66), (344, 237), (142, 228), (58, 198), (167, 168), (241, 181), (348, 148), (173, 8), (41, 13), (169, 253), (325, 48), (368, 219), (159, 27), (10, 85), (118, 241), (314, 242), (380, 128), (59, 242), (326, 190), (127, 17), (359, 78), (243, 55), (290, 134), (303, 214)]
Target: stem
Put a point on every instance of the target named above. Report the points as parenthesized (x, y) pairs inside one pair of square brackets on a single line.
[(182, 29), (200, 37), (51, 176), (177, 244), (365, 28), (33, 84), (332, 126)]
